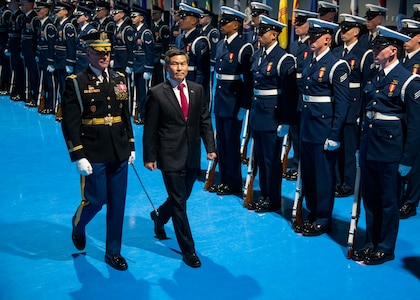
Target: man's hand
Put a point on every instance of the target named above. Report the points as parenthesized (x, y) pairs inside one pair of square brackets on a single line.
[(403, 170), (211, 155), (241, 114), (151, 165), (282, 130), (84, 167)]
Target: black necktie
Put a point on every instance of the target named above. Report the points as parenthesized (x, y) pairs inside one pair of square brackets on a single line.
[(381, 75), (345, 51), (104, 76)]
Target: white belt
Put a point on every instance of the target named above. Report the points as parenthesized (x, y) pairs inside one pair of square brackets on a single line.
[(227, 77), (307, 98), (273, 92), (374, 115), (354, 85), (298, 75)]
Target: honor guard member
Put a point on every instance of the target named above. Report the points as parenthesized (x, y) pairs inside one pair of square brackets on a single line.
[(328, 11), (175, 31), (162, 38), (196, 46), (273, 109), (143, 60), (208, 30), (301, 51), (251, 34), (122, 50), (351, 51), (103, 21), (83, 15), (5, 16), (386, 153), (45, 54), (14, 51), (325, 105), (375, 15), (233, 95), (97, 130), (65, 50), (411, 62)]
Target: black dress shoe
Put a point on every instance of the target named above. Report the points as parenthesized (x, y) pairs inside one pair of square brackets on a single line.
[(362, 254), (253, 205), (79, 239), (30, 104), (300, 227), (407, 210), (292, 175), (224, 189), (314, 229), (191, 259), (116, 261), (342, 192), (159, 229), (266, 206), (378, 257), (214, 188)]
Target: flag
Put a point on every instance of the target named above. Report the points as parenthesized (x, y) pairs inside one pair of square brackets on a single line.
[(314, 5), (382, 3), (209, 5), (194, 4), (160, 4), (402, 13), (282, 17), (354, 7), (144, 4)]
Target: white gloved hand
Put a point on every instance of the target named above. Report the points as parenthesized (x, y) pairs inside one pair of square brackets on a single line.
[(241, 114), (84, 167), (69, 69), (128, 70), (111, 64), (37, 59), (331, 145), (6, 52), (403, 170), (147, 75), (282, 130), (211, 69), (50, 68), (132, 157)]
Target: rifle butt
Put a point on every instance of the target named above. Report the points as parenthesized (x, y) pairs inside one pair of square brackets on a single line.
[(211, 176)]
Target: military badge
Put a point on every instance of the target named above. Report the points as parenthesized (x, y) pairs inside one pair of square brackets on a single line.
[(415, 69), (269, 67), (352, 63), (120, 90), (231, 57), (321, 73), (305, 54), (188, 48), (93, 108), (392, 87)]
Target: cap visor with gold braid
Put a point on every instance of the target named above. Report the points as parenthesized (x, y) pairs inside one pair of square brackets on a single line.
[(98, 41)]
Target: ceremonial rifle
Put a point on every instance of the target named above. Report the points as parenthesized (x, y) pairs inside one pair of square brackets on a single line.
[(210, 174), (297, 204), (355, 211), (285, 152), (245, 139), (249, 183)]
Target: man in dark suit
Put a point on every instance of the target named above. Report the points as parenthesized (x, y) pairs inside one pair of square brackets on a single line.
[(97, 129), (177, 117)]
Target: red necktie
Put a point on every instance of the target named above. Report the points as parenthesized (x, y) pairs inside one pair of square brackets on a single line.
[(184, 102)]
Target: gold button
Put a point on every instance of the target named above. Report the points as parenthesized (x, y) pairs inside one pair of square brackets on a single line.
[(374, 103), (370, 125), (109, 106), (108, 98)]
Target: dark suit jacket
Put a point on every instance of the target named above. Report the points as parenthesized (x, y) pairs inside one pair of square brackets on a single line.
[(168, 139)]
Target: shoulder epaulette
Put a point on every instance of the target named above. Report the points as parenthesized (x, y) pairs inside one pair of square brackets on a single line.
[(72, 76), (120, 74)]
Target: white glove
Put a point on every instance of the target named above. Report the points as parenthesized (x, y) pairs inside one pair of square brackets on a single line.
[(111, 64), (211, 69), (241, 114), (282, 130), (6, 52), (84, 167), (403, 170), (128, 70), (37, 59), (69, 69), (331, 145), (147, 75), (132, 157), (50, 68)]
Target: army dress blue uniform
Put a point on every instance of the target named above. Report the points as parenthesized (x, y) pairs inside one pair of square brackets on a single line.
[(274, 103), (143, 63), (5, 16), (16, 61), (382, 149), (324, 111), (233, 92), (45, 52), (96, 126)]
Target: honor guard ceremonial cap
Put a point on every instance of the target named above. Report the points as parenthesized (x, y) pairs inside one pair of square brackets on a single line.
[(119, 7), (228, 14), (389, 37), (82, 10), (27, 1), (410, 27), (373, 11), (63, 5), (187, 10), (206, 13), (258, 8), (267, 24), (326, 7), (156, 8), (101, 4), (98, 41), (137, 10), (348, 21), (41, 4), (317, 26), (301, 16)]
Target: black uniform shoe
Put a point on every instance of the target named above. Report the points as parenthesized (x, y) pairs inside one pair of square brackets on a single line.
[(191, 259), (116, 261), (79, 239), (291, 175), (30, 104), (314, 229), (266, 206), (407, 210), (214, 188), (362, 254), (300, 227), (224, 189), (159, 230), (342, 192), (378, 257)]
